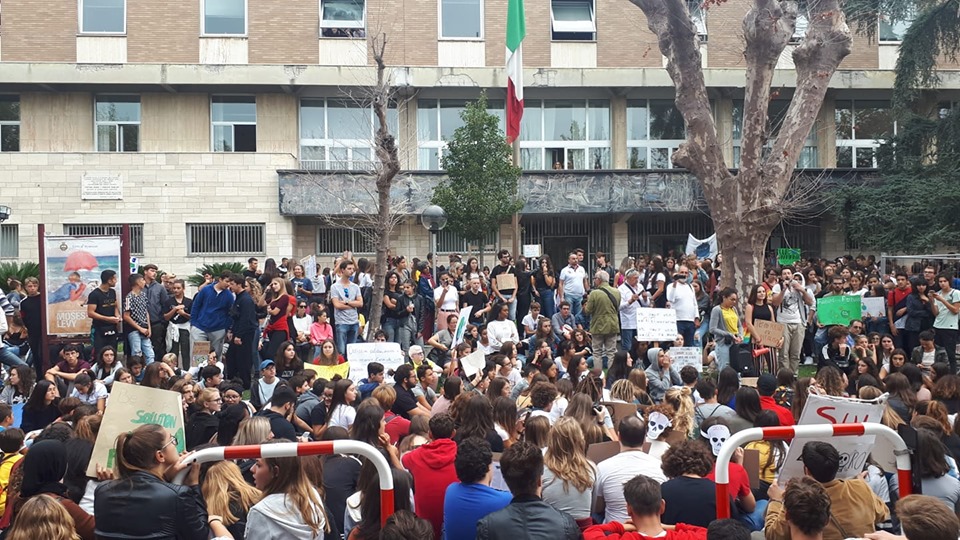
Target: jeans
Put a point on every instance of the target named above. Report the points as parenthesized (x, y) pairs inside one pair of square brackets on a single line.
[(10, 358), (576, 303), (344, 334), (687, 329), (947, 338), (723, 354), (215, 337), (513, 306), (754, 520), (628, 337), (546, 301), (702, 332), (391, 327), (793, 334), (141, 345)]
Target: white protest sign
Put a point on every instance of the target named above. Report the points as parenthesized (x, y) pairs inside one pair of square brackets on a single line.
[(462, 320), (129, 407), (873, 307), (361, 354), (473, 363), (309, 264), (656, 324), (835, 410), (686, 356)]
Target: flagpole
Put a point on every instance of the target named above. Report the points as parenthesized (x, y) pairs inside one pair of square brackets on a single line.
[(516, 215)]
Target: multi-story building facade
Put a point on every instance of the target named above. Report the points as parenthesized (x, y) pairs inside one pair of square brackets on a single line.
[(218, 128)]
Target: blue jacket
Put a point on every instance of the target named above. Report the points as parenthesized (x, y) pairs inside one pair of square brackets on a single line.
[(244, 314), (211, 311)]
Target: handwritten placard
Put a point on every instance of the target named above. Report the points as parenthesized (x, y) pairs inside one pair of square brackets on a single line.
[(686, 356), (129, 407), (387, 353), (768, 332), (873, 306), (473, 363), (656, 324), (200, 353), (328, 372), (838, 309)]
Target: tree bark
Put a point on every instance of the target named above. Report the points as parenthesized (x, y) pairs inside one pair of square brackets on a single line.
[(388, 165), (745, 207)]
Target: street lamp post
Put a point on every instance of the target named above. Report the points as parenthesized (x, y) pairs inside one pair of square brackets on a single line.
[(434, 219), (4, 215)]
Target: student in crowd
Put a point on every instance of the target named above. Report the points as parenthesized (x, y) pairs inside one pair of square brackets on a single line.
[(291, 507), (645, 506), (472, 498)]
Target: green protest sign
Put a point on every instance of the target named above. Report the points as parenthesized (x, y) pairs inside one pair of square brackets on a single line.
[(787, 256), (838, 309)]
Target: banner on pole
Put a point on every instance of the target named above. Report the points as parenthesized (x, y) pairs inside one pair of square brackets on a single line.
[(686, 356), (462, 320), (129, 407), (360, 354), (835, 410), (838, 309), (73, 267), (656, 324), (703, 249)]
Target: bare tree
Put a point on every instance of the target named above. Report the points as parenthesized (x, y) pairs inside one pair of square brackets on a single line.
[(746, 206)]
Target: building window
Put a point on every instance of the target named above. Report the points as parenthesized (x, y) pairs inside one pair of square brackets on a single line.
[(565, 134), (461, 19), (136, 233), (776, 112), (9, 123), (9, 241), (336, 240), (224, 18), (437, 120), (892, 30), (234, 123), (803, 22), (343, 18), (573, 20), (698, 14), (862, 126), (450, 242), (225, 239), (655, 130), (118, 123), (337, 134), (103, 16)]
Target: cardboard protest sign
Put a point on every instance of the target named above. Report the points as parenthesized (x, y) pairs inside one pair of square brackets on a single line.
[(473, 363), (598, 452), (129, 407), (686, 356), (788, 256), (873, 306), (656, 324), (838, 309), (506, 282), (768, 332), (360, 354), (462, 321), (198, 356), (835, 410), (328, 372)]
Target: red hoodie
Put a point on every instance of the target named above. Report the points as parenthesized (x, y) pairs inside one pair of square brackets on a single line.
[(432, 468), (767, 403), (614, 531)]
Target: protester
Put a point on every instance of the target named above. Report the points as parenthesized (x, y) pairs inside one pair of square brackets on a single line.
[(290, 507), (469, 500)]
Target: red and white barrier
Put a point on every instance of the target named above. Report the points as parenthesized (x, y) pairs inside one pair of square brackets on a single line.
[(822, 431), (319, 448)]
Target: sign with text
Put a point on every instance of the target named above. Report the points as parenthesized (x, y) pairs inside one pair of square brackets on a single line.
[(360, 354), (686, 356), (873, 306), (506, 282), (473, 363), (129, 407), (328, 372), (73, 266), (200, 353), (656, 324), (839, 309), (768, 332), (531, 250), (788, 256), (835, 410), (101, 187)]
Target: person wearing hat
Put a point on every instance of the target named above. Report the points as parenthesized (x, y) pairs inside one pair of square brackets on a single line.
[(661, 374), (766, 386), (262, 390)]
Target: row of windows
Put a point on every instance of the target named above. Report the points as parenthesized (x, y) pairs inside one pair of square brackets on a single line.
[(555, 134), (336, 240)]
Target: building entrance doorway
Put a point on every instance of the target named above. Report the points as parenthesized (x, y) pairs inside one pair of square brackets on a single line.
[(560, 247)]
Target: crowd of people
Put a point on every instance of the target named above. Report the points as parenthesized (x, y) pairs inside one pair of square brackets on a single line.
[(500, 451)]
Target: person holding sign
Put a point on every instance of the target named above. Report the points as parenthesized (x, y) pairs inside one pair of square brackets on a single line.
[(145, 457), (503, 280)]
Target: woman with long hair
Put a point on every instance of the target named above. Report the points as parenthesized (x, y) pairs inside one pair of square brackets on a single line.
[(544, 285), (286, 359), (475, 419), (43, 517), (619, 368), (227, 495), (947, 391), (498, 387), (41, 409), (145, 457), (902, 396), (919, 314), (341, 411), (280, 305), (758, 308), (536, 431), (726, 327), (392, 308), (43, 470), (19, 385), (568, 475), (747, 409), (291, 507), (329, 356), (107, 365), (934, 470), (655, 282), (773, 453), (188, 396), (728, 382), (830, 382), (895, 363), (370, 427), (202, 426), (575, 366), (156, 375), (681, 399), (505, 420), (581, 409), (367, 499), (639, 379)]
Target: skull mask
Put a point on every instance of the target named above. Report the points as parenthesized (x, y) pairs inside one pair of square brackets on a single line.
[(657, 424), (717, 435)]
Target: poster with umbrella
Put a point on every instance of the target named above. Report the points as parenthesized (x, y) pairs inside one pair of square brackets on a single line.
[(73, 267)]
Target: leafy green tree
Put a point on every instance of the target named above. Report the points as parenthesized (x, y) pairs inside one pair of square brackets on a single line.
[(481, 189)]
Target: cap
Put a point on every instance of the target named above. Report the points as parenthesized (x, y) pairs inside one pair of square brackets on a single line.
[(766, 384), (266, 363), (150, 266)]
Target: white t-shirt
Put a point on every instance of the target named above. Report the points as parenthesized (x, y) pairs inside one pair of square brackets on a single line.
[(343, 416), (628, 309), (684, 301), (500, 332), (573, 280), (789, 311), (449, 301), (98, 392), (529, 323), (616, 471)]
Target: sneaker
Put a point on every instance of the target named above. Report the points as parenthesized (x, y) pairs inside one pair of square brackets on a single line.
[(808, 361)]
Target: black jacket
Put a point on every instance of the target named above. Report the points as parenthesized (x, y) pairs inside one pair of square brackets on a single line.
[(144, 506), (527, 517), (244, 315), (200, 428)]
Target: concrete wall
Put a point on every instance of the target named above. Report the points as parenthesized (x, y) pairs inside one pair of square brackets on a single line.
[(175, 123), (162, 191), (56, 122)]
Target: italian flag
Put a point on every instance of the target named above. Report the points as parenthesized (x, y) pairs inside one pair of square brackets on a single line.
[(516, 30)]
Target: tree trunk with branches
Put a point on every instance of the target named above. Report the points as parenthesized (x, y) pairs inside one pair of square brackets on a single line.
[(746, 206)]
